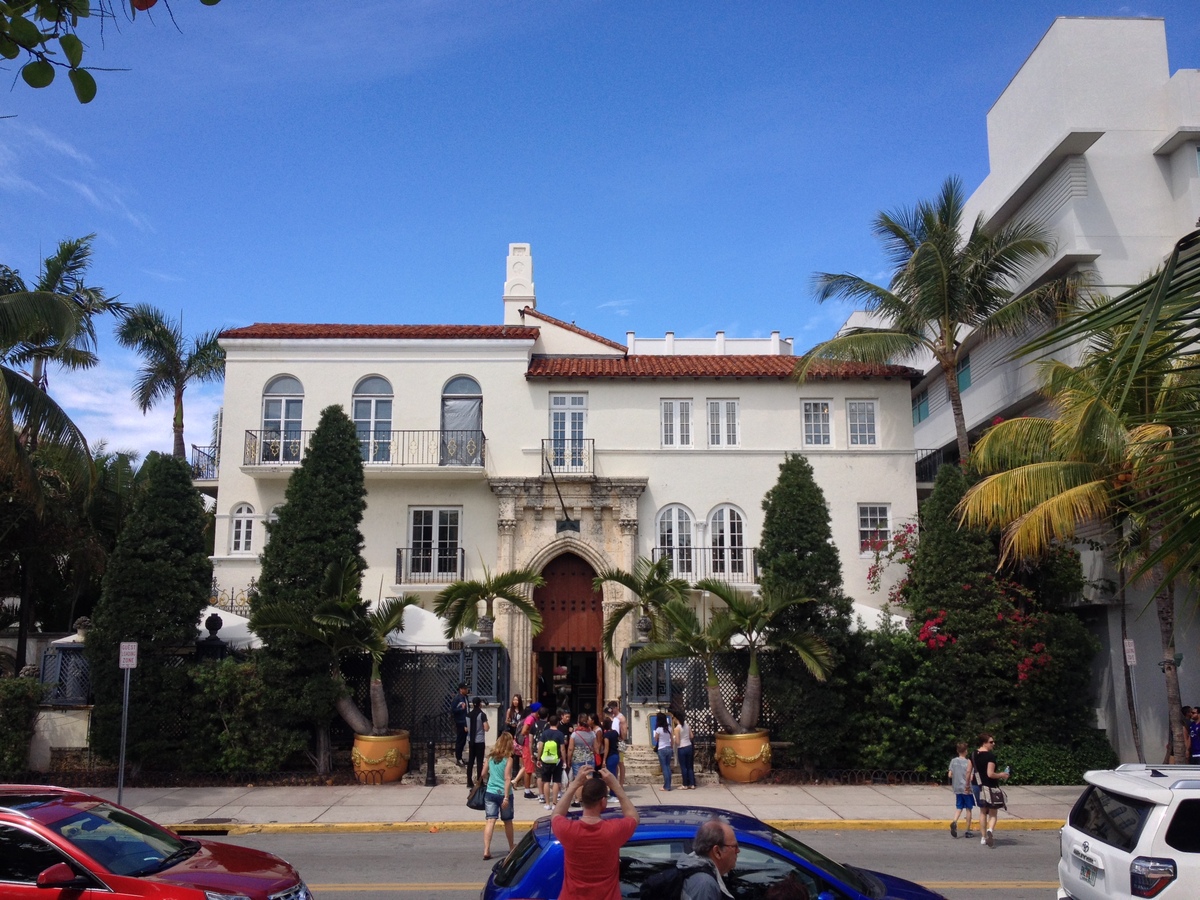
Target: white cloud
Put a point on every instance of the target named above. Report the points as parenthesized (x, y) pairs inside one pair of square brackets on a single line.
[(99, 402)]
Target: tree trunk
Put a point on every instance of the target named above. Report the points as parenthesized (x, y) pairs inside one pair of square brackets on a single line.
[(323, 757), (1129, 701), (719, 710), (1164, 605), (177, 426), (752, 699), (950, 374), (25, 613), (351, 715), (379, 707)]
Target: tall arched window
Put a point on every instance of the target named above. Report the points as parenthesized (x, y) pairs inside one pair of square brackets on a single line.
[(241, 538), (283, 410), (726, 528), (373, 419), (462, 422), (675, 540)]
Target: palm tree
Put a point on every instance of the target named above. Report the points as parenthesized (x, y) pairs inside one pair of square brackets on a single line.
[(24, 407), (459, 603), (652, 586), (170, 362), (947, 282), (342, 622), (63, 276), (1104, 457), (753, 618)]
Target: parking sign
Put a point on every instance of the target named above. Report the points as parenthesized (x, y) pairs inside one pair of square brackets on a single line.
[(128, 654)]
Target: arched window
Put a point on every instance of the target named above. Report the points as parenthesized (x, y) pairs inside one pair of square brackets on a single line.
[(462, 422), (726, 529), (675, 540), (242, 529), (373, 419), (283, 410)]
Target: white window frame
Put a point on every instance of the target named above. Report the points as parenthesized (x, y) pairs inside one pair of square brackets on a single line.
[(437, 556), (869, 517), (241, 530), (724, 421), (374, 428), (728, 553), (678, 423), (681, 546), (817, 422), (859, 432)]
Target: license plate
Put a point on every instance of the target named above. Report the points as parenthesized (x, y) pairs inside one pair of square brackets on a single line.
[(1087, 873)]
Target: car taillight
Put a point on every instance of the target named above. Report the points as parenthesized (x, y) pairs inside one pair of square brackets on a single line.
[(1148, 876)]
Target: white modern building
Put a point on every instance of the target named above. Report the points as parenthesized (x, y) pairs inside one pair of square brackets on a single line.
[(536, 443), (1096, 138)]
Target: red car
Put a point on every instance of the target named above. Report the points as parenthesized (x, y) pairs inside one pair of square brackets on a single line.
[(59, 843)]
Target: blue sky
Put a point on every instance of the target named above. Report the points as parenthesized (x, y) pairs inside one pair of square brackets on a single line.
[(680, 166)]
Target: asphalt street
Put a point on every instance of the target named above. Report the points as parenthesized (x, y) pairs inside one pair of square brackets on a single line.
[(448, 865)]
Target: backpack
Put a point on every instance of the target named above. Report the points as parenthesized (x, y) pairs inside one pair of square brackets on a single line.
[(665, 884), (550, 752)]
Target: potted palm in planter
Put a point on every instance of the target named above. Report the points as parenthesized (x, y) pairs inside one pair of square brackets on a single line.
[(459, 603), (344, 624), (749, 622)]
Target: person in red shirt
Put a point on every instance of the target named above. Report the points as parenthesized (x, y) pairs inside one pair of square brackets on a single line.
[(592, 845)]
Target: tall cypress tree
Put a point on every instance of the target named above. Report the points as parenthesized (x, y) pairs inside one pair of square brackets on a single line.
[(796, 548), (318, 524), (155, 587)]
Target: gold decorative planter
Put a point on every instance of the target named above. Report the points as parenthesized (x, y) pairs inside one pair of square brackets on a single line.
[(380, 758), (744, 758)]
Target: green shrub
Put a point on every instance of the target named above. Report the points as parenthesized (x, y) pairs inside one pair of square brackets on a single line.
[(19, 699), (241, 733), (1050, 763)]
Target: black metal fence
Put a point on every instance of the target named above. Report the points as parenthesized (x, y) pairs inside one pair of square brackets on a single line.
[(682, 684)]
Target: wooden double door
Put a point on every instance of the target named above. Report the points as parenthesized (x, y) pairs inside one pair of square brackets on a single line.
[(568, 667)]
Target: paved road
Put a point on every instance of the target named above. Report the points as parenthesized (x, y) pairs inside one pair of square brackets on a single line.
[(448, 865)]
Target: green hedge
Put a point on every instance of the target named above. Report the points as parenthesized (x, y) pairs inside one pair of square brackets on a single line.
[(19, 699), (1042, 763)]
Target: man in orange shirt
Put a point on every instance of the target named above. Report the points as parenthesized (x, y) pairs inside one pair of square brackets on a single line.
[(592, 845)]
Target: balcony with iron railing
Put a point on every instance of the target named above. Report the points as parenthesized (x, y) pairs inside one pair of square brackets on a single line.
[(928, 463), (430, 565), (736, 565), (381, 450), (568, 456), (204, 463)]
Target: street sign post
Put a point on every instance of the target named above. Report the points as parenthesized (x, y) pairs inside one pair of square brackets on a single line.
[(128, 662)]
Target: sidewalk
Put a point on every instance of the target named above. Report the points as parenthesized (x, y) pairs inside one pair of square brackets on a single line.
[(405, 807)]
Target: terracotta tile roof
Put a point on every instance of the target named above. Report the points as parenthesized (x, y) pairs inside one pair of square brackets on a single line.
[(780, 367), (305, 331), (571, 326)]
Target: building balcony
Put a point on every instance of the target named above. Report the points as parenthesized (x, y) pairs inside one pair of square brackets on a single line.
[(453, 452), (205, 467), (928, 463), (573, 457), (736, 565), (430, 565)]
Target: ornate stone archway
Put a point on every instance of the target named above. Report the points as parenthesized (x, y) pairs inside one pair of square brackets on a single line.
[(528, 524)]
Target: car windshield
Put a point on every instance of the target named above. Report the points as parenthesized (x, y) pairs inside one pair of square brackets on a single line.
[(122, 843), (844, 874)]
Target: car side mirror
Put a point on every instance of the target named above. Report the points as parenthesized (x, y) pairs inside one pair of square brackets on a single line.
[(60, 875)]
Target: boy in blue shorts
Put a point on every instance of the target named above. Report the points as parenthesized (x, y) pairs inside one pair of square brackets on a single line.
[(959, 774)]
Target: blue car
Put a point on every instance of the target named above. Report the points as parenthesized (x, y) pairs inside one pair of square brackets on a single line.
[(534, 869)]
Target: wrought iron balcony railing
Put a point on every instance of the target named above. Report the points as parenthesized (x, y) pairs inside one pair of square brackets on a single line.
[(737, 565), (568, 456), (204, 463), (379, 448), (430, 565), (928, 463)]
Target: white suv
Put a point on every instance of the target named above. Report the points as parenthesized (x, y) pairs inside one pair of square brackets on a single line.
[(1134, 832)]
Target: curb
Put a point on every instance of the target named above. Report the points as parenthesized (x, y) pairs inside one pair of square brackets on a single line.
[(243, 828)]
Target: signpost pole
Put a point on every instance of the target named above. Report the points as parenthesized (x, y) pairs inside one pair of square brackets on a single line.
[(128, 662)]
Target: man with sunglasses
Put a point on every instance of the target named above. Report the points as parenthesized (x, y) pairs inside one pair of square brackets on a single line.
[(714, 854)]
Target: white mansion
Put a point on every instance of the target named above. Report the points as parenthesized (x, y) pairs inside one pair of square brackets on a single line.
[(536, 443)]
